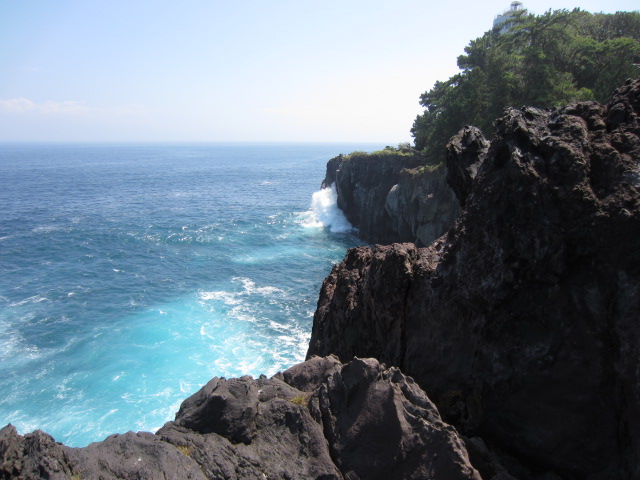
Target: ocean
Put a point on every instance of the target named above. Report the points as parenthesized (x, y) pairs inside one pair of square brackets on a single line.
[(132, 274)]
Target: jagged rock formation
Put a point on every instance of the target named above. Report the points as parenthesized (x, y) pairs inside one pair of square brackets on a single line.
[(318, 420), (523, 322), (391, 196), (465, 153)]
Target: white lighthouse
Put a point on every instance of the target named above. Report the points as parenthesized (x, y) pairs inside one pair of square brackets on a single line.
[(505, 20)]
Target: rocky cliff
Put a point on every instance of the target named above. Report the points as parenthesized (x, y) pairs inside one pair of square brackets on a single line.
[(318, 420), (523, 322), (391, 196)]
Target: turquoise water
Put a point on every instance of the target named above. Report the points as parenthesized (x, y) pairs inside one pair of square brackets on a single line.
[(132, 274)]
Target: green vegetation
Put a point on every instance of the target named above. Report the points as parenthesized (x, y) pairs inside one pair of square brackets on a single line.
[(185, 450), (403, 149), (543, 61), (300, 400), (428, 168)]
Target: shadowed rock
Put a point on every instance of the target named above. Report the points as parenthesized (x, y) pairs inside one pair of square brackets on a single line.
[(393, 196), (465, 153), (318, 420), (522, 323), (421, 206)]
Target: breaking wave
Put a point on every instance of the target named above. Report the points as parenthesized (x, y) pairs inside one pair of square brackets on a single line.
[(324, 207)]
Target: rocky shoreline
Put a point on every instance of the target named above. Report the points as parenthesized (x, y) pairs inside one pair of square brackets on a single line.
[(318, 420), (520, 323)]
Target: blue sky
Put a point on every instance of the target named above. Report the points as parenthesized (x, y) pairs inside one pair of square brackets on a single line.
[(252, 70)]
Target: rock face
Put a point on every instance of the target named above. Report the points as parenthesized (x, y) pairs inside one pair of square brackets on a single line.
[(421, 206), (392, 196), (465, 153), (318, 420), (523, 322)]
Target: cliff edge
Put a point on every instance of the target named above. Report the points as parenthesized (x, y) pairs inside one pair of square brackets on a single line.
[(392, 196), (318, 420), (522, 322)]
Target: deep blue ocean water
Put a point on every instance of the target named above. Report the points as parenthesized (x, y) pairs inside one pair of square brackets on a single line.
[(132, 274)]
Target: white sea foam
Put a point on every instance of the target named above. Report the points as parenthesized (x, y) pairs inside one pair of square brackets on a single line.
[(227, 297), (250, 287), (32, 299), (235, 298), (10, 343), (248, 314), (45, 229), (109, 413), (325, 211)]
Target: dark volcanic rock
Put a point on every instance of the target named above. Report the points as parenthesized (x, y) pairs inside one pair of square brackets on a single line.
[(390, 196), (421, 206), (523, 322), (36, 455), (465, 153), (362, 182), (318, 420)]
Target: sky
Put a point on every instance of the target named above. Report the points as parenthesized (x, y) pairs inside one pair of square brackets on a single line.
[(233, 71)]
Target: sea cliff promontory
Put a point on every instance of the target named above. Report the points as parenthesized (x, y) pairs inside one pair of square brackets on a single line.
[(522, 323), (392, 195)]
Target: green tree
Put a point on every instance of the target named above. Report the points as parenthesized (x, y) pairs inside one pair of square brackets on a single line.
[(543, 61)]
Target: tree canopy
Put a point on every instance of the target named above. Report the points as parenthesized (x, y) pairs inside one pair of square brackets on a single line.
[(543, 61)]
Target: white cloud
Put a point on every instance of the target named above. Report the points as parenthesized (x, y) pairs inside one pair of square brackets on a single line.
[(50, 107), (17, 105), (23, 105)]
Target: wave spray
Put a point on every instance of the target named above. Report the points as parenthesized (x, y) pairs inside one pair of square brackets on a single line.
[(324, 206)]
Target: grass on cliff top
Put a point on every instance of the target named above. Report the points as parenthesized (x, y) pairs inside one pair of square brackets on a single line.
[(300, 400), (428, 168), (403, 149)]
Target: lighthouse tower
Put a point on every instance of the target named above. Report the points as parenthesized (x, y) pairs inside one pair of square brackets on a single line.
[(505, 21)]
